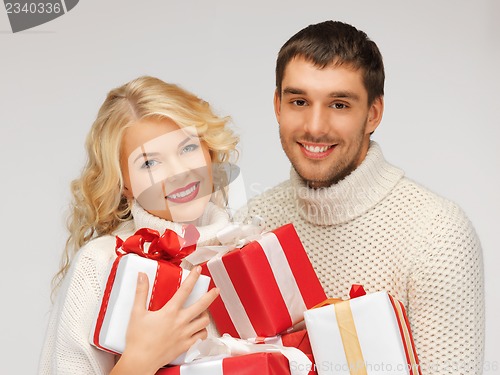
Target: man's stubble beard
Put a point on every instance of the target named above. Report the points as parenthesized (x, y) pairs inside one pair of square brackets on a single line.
[(337, 171)]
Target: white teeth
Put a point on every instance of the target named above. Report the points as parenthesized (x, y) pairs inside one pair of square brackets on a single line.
[(316, 149), (182, 194)]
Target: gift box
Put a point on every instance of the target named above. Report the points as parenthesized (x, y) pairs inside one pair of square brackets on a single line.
[(265, 286), (369, 334), (297, 339), (218, 354), (160, 263), (250, 364)]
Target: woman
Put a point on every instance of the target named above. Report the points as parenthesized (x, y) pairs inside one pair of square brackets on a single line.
[(150, 156)]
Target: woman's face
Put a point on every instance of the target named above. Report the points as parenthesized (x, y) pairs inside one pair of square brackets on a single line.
[(167, 169)]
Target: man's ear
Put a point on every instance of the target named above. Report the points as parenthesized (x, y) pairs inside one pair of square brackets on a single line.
[(375, 114), (277, 105)]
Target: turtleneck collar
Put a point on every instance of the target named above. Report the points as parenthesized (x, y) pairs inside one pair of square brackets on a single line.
[(212, 221), (351, 197)]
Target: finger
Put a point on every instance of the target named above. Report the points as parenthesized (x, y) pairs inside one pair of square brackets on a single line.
[(141, 293), (189, 341), (186, 288), (202, 304), (200, 322), (201, 334)]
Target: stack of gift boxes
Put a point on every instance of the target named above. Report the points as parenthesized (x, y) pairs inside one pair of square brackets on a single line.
[(268, 290)]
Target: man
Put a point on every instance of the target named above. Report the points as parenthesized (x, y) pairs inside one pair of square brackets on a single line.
[(360, 219)]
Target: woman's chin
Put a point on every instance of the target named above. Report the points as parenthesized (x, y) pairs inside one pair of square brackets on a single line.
[(190, 212)]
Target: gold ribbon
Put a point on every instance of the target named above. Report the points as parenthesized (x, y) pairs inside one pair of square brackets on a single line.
[(348, 334)]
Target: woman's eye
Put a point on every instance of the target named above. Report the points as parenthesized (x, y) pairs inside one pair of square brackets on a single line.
[(299, 102), (149, 164), (189, 148)]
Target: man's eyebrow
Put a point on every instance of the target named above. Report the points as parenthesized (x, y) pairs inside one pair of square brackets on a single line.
[(333, 94), (293, 91), (344, 95)]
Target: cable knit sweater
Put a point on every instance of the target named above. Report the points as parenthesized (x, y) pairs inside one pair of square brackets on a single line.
[(67, 349), (382, 230)]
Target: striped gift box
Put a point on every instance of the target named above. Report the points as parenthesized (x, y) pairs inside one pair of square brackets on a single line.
[(366, 335)]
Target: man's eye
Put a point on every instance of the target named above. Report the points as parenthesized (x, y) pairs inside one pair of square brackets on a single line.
[(339, 105), (189, 148), (149, 164), (299, 102)]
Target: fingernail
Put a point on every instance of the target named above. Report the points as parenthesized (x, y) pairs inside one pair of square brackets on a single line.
[(140, 277), (198, 269)]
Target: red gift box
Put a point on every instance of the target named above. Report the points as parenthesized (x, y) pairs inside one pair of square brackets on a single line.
[(251, 364), (265, 287), (300, 340), (297, 339), (158, 262)]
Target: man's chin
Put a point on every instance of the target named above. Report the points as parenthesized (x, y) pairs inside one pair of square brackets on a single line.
[(313, 180), (322, 180)]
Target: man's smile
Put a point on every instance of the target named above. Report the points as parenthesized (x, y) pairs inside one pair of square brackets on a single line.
[(316, 150)]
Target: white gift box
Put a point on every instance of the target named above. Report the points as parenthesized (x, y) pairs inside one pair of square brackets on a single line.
[(230, 356), (364, 335), (112, 319), (254, 363)]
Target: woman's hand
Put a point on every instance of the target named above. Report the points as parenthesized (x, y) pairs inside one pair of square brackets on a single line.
[(154, 338)]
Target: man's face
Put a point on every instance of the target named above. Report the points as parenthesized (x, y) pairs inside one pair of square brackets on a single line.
[(325, 120), (167, 169)]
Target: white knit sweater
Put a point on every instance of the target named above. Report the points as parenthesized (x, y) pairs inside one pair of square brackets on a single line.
[(67, 349), (382, 230)]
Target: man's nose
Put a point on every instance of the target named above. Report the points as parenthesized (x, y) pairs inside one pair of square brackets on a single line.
[(317, 121)]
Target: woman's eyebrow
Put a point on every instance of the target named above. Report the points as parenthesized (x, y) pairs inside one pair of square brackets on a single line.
[(185, 141), (146, 155)]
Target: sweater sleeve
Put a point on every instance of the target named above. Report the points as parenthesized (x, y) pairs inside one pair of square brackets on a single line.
[(67, 348), (446, 296)]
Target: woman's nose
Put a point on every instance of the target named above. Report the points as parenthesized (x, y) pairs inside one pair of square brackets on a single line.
[(175, 170)]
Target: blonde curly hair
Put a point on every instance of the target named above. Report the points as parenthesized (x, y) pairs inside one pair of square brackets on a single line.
[(98, 205)]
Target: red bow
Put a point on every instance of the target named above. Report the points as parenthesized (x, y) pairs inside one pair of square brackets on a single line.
[(168, 247), (356, 291)]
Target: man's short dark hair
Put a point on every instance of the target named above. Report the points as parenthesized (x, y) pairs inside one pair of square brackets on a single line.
[(337, 43)]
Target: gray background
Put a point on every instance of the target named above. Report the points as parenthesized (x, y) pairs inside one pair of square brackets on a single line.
[(440, 124)]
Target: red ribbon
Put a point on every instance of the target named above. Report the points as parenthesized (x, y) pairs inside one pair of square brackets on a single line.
[(356, 291), (168, 247)]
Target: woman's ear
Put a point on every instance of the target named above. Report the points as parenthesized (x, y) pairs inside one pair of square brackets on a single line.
[(127, 193)]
